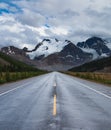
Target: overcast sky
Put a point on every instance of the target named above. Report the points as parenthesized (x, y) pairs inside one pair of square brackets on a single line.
[(25, 22)]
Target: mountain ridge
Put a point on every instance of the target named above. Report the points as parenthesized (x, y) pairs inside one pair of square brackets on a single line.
[(100, 65), (53, 54)]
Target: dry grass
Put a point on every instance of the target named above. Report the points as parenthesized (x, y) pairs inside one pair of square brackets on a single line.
[(14, 76), (98, 77)]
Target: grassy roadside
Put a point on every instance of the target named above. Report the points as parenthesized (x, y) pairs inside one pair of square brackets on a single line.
[(104, 78), (14, 76), (13, 70)]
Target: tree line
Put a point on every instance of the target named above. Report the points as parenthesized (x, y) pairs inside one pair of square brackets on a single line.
[(16, 70)]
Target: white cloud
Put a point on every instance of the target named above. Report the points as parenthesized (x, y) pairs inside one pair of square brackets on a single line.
[(31, 18), (13, 32), (59, 31), (3, 6), (29, 21)]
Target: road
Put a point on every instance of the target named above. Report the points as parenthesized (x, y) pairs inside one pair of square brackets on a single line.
[(55, 101)]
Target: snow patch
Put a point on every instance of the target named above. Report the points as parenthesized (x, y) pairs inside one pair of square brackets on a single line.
[(10, 51), (48, 48), (108, 45), (69, 56), (104, 55), (88, 50), (77, 57)]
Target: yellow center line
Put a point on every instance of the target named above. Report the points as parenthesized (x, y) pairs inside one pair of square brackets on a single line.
[(54, 106)]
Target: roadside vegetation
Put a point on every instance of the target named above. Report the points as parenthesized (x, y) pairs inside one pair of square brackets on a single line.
[(104, 78), (97, 70), (13, 70)]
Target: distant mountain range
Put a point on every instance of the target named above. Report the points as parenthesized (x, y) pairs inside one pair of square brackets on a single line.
[(97, 46), (53, 54)]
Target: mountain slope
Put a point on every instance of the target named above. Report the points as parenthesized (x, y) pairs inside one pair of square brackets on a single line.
[(13, 70), (8, 63), (97, 44), (53, 54), (46, 48), (103, 65), (70, 56), (17, 54)]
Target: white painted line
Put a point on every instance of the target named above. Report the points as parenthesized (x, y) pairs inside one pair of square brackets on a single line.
[(1, 94), (98, 92), (55, 84)]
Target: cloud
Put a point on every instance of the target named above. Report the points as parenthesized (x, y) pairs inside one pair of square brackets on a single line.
[(31, 18), (13, 32), (3, 6), (25, 22)]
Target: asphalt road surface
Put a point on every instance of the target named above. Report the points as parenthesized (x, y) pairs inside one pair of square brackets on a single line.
[(55, 101)]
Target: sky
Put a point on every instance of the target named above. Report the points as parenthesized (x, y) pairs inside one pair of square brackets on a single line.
[(27, 22)]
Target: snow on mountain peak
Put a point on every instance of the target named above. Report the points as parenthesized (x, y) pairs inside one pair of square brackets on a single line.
[(49, 46)]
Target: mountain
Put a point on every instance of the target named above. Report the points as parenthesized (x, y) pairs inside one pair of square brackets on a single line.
[(18, 54), (97, 46), (46, 48), (100, 65), (69, 56), (53, 54), (7, 63)]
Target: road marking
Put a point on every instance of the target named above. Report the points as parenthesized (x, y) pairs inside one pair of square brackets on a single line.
[(54, 106), (95, 90), (1, 94), (55, 84)]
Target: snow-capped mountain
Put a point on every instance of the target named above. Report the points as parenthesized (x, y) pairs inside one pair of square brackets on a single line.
[(53, 54), (47, 47), (16, 53), (69, 56), (97, 46)]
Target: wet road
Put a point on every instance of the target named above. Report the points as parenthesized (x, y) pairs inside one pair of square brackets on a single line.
[(55, 102)]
